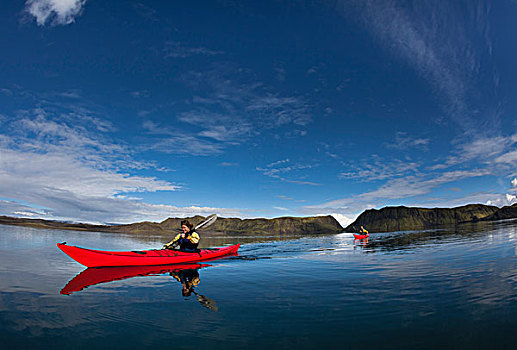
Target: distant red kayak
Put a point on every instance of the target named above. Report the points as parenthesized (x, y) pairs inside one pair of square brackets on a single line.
[(93, 276), (100, 258), (356, 236)]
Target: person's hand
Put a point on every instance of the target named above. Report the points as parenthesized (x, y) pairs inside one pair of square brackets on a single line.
[(182, 235)]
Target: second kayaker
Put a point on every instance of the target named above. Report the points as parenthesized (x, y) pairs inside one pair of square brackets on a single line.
[(188, 240)]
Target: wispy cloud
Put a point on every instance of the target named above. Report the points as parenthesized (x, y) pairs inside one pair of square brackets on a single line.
[(236, 92), (281, 208), (284, 171), (220, 127), (494, 151), (176, 49), (175, 141), (285, 197), (411, 186), (413, 182), (376, 168), (507, 158), (409, 189), (228, 107), (54, 12), (403, 142), (446, 43)]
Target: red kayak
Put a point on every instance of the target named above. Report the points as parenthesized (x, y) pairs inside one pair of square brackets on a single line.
[(361, 236), (93, 276), (100, 258)]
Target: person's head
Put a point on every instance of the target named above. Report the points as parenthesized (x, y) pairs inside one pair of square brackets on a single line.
[(186, 226)]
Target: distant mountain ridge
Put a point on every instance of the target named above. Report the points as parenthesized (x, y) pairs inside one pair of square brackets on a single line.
[(283, 225), (403, 218), (387, 219)]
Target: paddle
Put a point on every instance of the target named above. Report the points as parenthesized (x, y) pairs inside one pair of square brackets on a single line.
[(206, 302), (209, 220)]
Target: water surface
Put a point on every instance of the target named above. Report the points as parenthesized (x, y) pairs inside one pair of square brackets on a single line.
[(448, 288)]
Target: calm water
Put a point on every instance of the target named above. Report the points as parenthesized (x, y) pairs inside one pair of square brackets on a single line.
[(453, 288)]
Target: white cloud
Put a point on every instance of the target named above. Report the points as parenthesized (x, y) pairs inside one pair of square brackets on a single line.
[(57, 12), (52, 170), (101, 210), (63, 172), (502, 200), (343, 220), (514, 183)]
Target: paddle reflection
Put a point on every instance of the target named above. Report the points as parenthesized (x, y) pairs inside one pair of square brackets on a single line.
[(186, 274)]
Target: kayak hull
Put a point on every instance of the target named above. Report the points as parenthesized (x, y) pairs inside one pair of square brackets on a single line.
[(100, 258), (361, 236)]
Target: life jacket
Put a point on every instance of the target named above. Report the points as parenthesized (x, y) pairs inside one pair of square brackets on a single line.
[(186, 244)]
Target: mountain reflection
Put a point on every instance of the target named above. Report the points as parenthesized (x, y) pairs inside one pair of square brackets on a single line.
[(186, 274)]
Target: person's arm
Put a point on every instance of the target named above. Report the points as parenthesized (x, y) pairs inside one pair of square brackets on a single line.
[(171, 243)]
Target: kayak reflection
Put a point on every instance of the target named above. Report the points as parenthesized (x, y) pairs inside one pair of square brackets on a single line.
[(363, 242), (97, 275), (186, 274)]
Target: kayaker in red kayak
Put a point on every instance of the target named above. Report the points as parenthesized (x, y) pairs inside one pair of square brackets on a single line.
[(363, 231), (188, 240)]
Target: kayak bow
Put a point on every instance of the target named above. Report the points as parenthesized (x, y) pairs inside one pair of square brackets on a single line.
[(100, 258), (361, 236)]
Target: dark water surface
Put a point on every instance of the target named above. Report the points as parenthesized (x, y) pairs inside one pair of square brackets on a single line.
[(451, 288)]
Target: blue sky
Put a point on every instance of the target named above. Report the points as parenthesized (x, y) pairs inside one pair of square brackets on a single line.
[(123, 111)]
